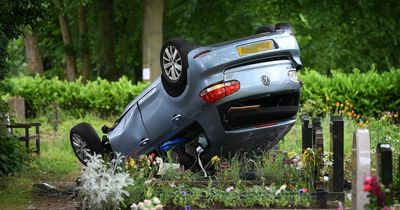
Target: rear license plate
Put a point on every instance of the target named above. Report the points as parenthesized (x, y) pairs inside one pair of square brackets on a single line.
[(254, 48)]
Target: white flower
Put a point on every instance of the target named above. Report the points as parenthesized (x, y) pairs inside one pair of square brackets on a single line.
[(141, 205), (134, 206), (158, 207), (268, 189), (156, 200), (326, 178), (229, 189), (147, 203), (282, 188)]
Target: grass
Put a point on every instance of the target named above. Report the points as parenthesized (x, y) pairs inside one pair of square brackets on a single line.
[(57, 161)]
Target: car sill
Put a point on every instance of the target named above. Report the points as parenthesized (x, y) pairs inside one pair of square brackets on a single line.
[(242, 130)]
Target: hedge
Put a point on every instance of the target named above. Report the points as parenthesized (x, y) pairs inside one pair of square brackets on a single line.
[(364, 93), (101, 96)]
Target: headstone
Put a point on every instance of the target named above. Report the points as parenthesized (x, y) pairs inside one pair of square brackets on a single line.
[(361, 166), (337, 134), (306, 132), (316, 124), (319, 139), (17, 106), (384, 164)]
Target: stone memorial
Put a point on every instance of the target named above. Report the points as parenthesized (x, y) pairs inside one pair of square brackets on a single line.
[(17, 108), (361, 166)]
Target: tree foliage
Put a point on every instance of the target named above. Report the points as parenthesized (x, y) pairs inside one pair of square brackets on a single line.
[(333, 34)]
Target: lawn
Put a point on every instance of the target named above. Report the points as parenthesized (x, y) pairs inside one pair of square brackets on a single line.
[(57, 162)]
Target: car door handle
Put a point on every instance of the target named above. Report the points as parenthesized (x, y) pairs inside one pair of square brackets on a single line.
[(176, 118), (144, 141)]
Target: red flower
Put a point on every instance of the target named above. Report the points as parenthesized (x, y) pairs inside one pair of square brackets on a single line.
[(367, 187)]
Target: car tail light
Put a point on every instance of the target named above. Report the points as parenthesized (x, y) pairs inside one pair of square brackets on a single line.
[(218, 91), (202, 53)]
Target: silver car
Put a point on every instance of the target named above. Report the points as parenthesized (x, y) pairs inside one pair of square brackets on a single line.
[(237, 96)]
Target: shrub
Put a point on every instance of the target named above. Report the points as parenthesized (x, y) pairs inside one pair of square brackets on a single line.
[(13, 155), (364, 93), (367, 93), (103, 184), (99, 96)]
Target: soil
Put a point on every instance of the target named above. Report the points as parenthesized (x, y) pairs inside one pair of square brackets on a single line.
[(64, 198)]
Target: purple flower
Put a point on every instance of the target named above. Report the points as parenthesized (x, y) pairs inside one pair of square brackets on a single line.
[(183, 193), (187, 207), (302, 191)]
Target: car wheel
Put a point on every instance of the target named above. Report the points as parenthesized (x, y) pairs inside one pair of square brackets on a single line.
[(285, 27), (265, 29), (174, 62), (84, 140)]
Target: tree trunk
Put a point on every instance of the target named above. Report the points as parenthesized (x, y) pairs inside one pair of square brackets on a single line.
[(107, 39), (84, 40), (32, 52), (69, 54), (152, 38)]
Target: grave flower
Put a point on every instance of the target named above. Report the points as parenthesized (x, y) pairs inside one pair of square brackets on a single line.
[(215, 160), (282, 188), (302, 191), (229, 189), (376, 192), (182, 192), (187, 207)]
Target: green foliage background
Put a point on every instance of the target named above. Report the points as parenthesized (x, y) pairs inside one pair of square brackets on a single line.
[(370, 92), (332, 34)]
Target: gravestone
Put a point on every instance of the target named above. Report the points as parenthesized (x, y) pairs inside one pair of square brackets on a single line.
[(361, 166), (337, 148), (384, 164), (316, 125), (306, 132), (17, 107)]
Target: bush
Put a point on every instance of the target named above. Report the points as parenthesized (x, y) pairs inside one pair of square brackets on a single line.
[(99, 96), (13, 156), (367, 93), (364, 93)]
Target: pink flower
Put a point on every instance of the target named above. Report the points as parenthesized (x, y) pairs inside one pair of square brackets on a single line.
[(367, 187)]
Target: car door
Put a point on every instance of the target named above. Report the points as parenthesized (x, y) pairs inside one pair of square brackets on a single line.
[(129, 134), (161, 117)]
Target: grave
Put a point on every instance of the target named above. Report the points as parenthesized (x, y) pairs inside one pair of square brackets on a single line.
[(361, 165), (306, 132), (337, 148)]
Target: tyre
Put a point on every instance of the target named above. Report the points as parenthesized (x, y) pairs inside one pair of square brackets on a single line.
[(265, 29), (84, 140), (285, 27), (174, 62)]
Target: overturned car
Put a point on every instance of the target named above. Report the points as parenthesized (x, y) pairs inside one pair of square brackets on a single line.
[(237, 96)]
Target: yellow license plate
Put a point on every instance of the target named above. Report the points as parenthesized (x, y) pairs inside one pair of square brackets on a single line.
[(255, 48)]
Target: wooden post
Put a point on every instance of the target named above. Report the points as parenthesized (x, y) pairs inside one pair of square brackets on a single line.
[(361, 166), (37, 139), (27, 138)]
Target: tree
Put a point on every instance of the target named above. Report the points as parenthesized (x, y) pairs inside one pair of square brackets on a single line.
[(69, 53), (84, 42), (152, 36), (33, 55), (107, 38)]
